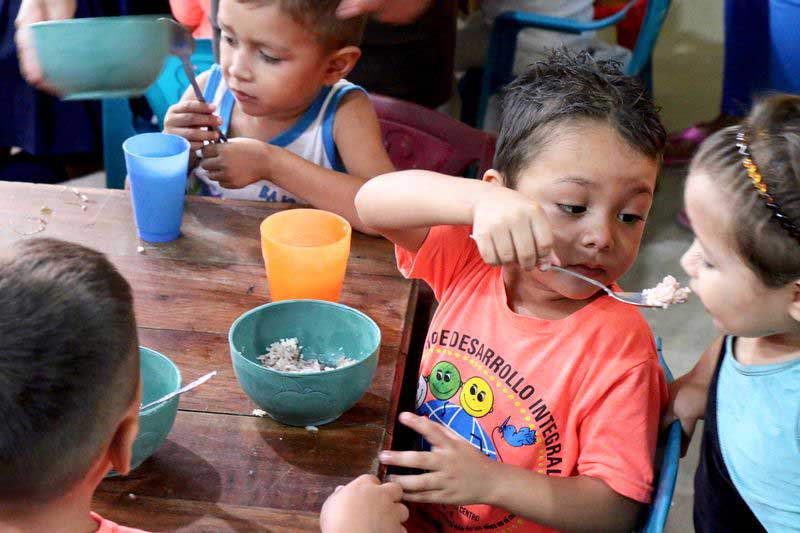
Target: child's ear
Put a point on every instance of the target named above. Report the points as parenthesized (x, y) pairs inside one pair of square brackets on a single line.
[(494, 177), (121, 450), (340, 63), (794, 306)]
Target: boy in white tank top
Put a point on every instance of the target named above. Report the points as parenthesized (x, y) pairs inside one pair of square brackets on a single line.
[(298, 132)]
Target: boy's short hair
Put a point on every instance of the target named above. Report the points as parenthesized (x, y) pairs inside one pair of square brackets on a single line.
[(570, 86), (319, 16), (772, 131), (69, 365)]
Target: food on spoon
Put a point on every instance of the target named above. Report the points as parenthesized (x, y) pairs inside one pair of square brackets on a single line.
[(666, 293)]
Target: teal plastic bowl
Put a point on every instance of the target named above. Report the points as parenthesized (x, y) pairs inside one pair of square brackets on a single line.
[(103, 57), (326, 331), (160, 376)]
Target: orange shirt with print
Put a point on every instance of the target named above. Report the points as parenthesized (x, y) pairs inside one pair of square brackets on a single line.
[(578, 396)]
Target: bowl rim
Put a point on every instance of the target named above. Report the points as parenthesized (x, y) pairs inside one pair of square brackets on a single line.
[(162, 405), (235, 352), (82, 21)]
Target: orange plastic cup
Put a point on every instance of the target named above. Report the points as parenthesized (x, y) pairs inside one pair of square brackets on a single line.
[(305, 254)]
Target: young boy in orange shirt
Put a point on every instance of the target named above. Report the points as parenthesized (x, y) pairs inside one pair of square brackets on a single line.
[(540, 396)]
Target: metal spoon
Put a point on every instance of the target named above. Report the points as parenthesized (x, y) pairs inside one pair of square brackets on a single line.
[(181, 45), (190, 386), (633, 298)]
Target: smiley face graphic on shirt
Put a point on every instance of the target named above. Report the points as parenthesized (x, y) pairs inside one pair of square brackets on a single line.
[(477, 397), (444, 380)]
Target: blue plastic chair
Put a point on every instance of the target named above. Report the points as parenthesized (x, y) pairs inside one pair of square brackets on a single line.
[(119, 122), (670, 449), (503, 43)]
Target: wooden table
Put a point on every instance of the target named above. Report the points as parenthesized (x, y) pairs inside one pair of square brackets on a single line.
[(222, 469)]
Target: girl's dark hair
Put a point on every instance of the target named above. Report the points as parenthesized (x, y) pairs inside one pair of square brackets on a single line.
[(568, 86), (772, 130)]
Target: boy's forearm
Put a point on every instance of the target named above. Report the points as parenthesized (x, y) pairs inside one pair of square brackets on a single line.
[(321, 187), (579, 503), (418, 198)]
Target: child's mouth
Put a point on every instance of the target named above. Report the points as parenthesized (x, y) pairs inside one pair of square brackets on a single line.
[(242, 97), (591, 272)]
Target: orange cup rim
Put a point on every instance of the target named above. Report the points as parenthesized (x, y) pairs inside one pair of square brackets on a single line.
[(348, 232)]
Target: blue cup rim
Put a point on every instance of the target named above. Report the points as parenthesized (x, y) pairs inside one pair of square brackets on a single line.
[(162, 405), (184, 143), (299, 375)]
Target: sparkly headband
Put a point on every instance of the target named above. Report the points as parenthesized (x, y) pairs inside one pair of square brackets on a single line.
[(761, 186)]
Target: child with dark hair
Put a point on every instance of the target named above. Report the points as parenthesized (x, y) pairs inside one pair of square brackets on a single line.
[(299, 132), (540, 396), (743, 199), (69, 384)]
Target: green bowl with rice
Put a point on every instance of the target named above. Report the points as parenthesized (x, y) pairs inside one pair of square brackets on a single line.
[(326, 332)]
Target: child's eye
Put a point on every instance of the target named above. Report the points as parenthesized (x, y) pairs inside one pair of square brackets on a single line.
[(572, 209), (228, 39), (629, 218), (268, 58)]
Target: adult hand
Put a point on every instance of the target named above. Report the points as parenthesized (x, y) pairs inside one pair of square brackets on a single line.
[(457, 473), (364, 506), (31, 11), (389, 11)]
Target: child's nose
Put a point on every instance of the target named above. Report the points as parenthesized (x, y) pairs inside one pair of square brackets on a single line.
[(239, 68), (599, 235), (689, 262)]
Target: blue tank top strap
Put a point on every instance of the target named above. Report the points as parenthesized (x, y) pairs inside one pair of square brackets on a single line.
[(327, 125), (215, 76), (285, 138)]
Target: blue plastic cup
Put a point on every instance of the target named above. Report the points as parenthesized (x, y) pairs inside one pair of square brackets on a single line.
[(157, 165)]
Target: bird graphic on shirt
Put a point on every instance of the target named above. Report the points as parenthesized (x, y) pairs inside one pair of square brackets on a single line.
[(517, 437)]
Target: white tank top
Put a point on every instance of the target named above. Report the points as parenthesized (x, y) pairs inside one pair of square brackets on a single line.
[(311, 138)]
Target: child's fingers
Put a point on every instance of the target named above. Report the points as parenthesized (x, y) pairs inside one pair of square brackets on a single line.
[(194, 135), (211, 163), (433, 432), (524, 245), (220, 177), (543, 235), (194, 106), (486, 249), (193, 120), (400, 511), (421, 460), (429, 496), (419, 482), (393, 490), (211, 151), (504, 246)]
